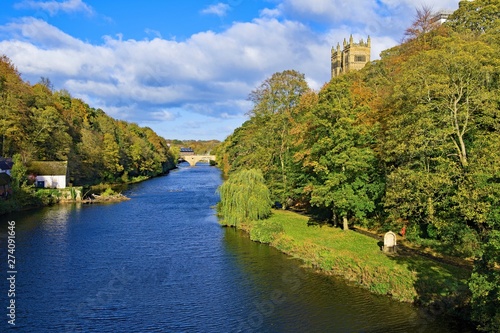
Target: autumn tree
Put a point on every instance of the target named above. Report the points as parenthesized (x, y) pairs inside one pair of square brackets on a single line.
[(40, 124), (342, 160), (442, 99), (15, 96), (275, 106), (421, 25)]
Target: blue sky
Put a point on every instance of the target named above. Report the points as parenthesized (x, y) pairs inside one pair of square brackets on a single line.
[(185, 68)]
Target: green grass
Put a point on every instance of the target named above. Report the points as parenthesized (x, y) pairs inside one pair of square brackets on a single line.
[(358, 258)]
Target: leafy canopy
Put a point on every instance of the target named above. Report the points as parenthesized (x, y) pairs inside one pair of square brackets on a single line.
[(244, 197)]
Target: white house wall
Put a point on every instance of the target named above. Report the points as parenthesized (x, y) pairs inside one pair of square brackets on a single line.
[(52, 181)]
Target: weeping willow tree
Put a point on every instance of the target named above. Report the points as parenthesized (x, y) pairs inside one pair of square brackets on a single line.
[(244, 197)]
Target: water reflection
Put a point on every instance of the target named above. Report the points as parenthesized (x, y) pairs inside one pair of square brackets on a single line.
[(322, 303), (161, 263)]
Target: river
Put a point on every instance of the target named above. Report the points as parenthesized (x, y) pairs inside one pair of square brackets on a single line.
[(160, 262)]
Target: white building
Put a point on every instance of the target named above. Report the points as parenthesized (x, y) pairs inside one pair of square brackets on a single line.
[(441, 17), (49, 174)]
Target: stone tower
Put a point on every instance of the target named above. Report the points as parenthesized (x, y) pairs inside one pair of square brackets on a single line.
[(353, 56)]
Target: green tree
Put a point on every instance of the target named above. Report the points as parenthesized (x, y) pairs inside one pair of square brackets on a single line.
[(49, 136), (89, 153), (111, 157), (41, 124), (485, 286), (244, 197), (276, 103), (14, 109), (342, 160), (18, 171), (442, 102), (478, 16)]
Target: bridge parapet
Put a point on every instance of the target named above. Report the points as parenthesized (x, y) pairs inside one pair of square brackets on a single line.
[(193, 159)]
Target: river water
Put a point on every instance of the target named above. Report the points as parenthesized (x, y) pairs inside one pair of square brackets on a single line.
[(161, 263)]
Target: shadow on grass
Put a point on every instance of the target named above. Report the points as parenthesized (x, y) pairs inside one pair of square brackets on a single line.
[(442, 290), (317, 222), (319, 217)]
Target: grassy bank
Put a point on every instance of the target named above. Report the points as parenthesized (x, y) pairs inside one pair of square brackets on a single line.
[(358, 258), (30, 197)]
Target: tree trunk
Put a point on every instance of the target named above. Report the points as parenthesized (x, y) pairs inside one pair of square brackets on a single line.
[(334, 218), (460, 131), (346, 224)]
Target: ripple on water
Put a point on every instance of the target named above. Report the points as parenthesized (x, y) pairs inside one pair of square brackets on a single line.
[(161, 263)]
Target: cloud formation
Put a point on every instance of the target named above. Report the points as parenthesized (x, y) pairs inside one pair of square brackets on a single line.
[(198, 87), (219, 9), (54, 7), (207, 67)]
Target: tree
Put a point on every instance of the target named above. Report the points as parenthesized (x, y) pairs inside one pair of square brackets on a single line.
[(443, 100), (422, 24), (478, 16), (485, 286), (342, 160), (18, 171), (14, 118), (38, 123), (49, 135), (276, 103), (89, 154), (111, 157), (244, 198)]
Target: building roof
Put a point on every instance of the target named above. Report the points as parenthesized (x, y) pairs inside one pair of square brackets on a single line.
[(6, 163), (441, 16), (187, 150), (51, 168)]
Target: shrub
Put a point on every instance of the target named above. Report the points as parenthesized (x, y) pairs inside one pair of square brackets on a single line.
[(265, 231)]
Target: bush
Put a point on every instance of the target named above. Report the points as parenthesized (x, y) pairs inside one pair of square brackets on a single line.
[(108, 192), (8, 206), (47, 196), (265, 231)]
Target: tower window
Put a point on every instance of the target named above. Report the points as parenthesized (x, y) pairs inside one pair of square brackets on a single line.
[(360, 58)]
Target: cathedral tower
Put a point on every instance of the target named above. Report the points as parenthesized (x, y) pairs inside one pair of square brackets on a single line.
[(353, 56)]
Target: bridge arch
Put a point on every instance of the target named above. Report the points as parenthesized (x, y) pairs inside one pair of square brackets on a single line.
[(193, 159)]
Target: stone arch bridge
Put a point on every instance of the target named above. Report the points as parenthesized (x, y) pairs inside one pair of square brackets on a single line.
[(193, 159)]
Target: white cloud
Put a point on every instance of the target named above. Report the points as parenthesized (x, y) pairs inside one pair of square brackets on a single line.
[(330, 10), (369, 17), (209, 73), (267, 12), (40, 33), (153, 32), (219, 9), (54, 7), (164, 115), (207, 76), (414, 4)]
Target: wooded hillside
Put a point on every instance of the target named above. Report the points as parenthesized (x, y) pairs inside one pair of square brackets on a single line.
[(38, 123), (412, 140)]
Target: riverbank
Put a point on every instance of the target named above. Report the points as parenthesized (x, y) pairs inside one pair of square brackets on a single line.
[(29, 197), (405, 277)]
